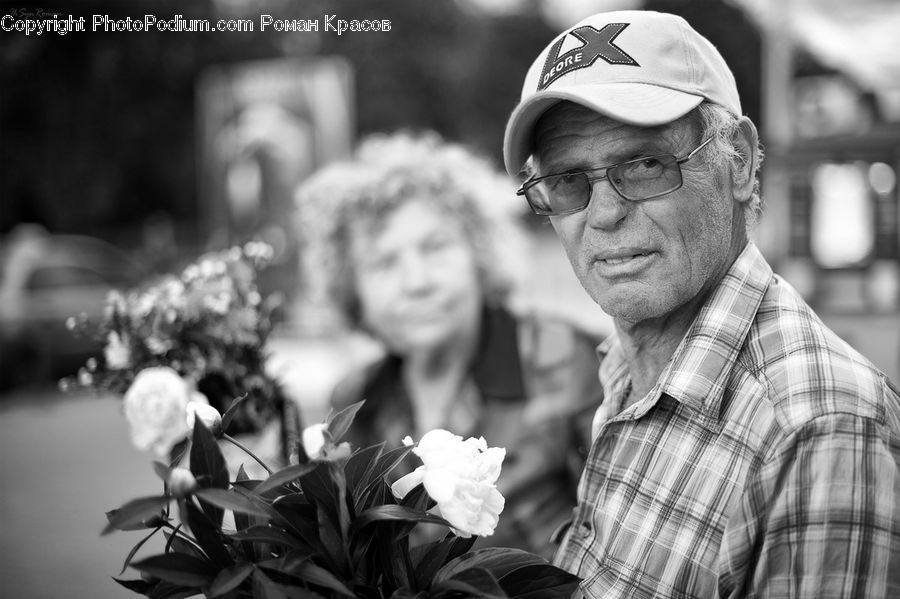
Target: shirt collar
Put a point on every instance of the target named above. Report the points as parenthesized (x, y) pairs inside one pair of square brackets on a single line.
[(698, 371)]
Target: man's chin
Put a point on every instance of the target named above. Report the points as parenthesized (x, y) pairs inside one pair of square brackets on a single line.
[(627, 306)]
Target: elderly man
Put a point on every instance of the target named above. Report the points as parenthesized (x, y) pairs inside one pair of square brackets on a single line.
[(742, 450)]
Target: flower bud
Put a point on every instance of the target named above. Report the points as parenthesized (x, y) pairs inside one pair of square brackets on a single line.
[(314, 440), (181, 482), (207, 414)]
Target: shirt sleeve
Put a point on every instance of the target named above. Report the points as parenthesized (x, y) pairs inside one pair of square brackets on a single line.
[(820, 517)]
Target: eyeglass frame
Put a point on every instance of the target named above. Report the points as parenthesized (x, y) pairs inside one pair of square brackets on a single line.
[(532, 181)]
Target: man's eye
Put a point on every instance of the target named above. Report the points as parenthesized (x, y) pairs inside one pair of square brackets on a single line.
[(566, 179), (651, 166), (650, 163)]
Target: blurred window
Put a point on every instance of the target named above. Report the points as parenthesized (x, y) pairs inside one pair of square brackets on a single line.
[(842, 215)]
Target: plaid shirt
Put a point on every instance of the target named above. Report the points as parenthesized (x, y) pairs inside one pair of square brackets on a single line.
[(763, 463)]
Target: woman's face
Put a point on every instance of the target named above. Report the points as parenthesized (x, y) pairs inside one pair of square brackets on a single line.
[(416, 278)]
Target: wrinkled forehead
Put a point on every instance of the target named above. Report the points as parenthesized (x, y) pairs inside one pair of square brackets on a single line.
[(568, 121)]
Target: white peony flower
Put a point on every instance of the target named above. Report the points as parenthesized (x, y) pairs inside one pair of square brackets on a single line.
[(199, 407), (156, 406), (460, 475), (116, 352)]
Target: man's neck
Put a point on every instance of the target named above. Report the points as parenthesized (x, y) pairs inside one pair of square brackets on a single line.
[(650, 344)]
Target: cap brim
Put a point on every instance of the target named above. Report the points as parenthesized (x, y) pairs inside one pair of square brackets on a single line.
[(639, 104)]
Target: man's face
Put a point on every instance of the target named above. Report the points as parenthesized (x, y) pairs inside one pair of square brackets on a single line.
[(649, 259)]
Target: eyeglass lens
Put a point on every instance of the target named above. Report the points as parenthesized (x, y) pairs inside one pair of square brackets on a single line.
[(636, 180)]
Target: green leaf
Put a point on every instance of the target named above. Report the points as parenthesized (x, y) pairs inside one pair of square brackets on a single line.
[(208, 536), (308, 572), (268, 534), (385, 464), (543, 581), (321, 577), (428, 559), (137, 547), (272, 514), (243, 521), (330, 537), (178, 452), (461, 545), (229, 579), (266, 588), (284, 476), (406, 593), (477, 581), (361, 462), (229, 414), (499, 561), (140, 513), (339, 424), (230, 500), (162, 470), (418, 499), (393, 513), (178, 544), (178, 568), (300, 521), (208, 466), (138, 585), (167, 590)]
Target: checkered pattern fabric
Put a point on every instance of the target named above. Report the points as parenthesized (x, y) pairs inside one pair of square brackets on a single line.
[(765, 462)]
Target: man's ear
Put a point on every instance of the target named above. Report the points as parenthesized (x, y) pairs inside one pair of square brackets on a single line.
[(746, 142)]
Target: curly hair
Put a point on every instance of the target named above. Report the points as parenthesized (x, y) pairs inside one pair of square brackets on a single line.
[(386, 172)]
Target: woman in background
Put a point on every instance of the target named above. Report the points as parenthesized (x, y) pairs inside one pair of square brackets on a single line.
[(421, 251)]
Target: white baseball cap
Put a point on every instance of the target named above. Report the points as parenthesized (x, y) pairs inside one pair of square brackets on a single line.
[(638, 67)]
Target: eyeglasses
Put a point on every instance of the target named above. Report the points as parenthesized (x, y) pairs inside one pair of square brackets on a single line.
[(635, 180)]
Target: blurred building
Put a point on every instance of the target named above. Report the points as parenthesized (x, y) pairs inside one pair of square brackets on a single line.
[(832, 138)]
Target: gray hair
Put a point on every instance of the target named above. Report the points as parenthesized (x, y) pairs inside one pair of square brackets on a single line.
[(721, 125), (386, 172)]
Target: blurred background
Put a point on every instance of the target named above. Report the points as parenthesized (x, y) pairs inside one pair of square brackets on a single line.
[(127, 154)]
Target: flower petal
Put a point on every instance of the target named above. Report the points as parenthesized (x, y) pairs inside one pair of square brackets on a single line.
[(407, 483), (440, 484)]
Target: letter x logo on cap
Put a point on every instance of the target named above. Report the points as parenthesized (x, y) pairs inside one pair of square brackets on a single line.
[(638, 67)]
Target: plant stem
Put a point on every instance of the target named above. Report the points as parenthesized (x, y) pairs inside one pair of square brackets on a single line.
[(243, 447)]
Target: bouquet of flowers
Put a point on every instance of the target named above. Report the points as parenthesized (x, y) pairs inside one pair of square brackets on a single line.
[(331, 526), (210, 325)]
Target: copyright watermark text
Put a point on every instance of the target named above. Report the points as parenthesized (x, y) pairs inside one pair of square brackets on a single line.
[(39, 22)]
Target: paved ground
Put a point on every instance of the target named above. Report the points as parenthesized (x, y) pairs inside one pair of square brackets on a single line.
[(65, 461)]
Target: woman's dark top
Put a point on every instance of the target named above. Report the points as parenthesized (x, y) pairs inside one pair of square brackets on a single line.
[(538, 387)]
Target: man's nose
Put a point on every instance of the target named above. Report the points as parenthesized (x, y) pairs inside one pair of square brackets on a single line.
[(606, 208)]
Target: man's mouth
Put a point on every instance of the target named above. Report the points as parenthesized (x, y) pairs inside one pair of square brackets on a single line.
[(623, 258)]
